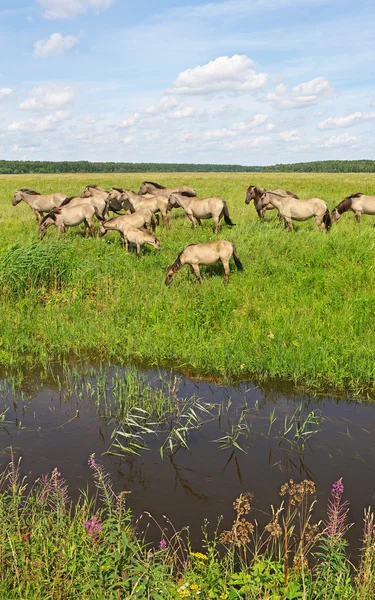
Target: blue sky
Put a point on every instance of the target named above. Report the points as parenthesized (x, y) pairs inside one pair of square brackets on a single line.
[(235, 81)]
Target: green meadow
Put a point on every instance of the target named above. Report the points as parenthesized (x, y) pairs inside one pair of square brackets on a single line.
[(303, 308)]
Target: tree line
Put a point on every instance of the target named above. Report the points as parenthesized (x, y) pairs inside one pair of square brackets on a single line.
[(82, 166)]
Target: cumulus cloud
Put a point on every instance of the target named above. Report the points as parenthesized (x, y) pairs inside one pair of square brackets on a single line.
[(56, 44), (164, 105), (232, 74), (131, 121), (304, 94), (46, 123), (339, 140), (239, 128), (290, 136), (184, 113), (69, 9), (349, 121), (47, 97), (5, 93)]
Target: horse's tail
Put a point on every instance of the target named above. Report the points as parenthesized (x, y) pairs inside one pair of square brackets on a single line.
[(237, 261), (66, 201), (99, 215), (227, 218), (153, 222), (327, 219)]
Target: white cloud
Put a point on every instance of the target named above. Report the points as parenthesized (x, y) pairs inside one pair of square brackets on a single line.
[(56, 44), (46, 123), (69, 9), (304, 94), (349, 121), (338, 140), (184, 113), (128, 139), (290, 136), (131, 121), (239, 128), (47, 97), (5, 93), (233, 74), (164, 105)]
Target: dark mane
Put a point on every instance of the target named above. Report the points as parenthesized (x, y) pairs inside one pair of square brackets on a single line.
[(31, 192), (121, 190), (354, 196), (51, 215), (92, 185), (157, 185), (187, 194), (66, 201)]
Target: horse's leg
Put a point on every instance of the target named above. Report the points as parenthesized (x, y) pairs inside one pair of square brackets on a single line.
[(217, 224), (357, 216), (192, 220), (37, 215), (226, 270), (288, 223), (199, 221), (139, 250), (319, 223), (197, 272), (157, 218)]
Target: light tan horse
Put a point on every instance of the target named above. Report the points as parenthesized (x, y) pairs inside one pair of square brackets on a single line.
[(96, 192), (141, 218), (70, 216), (99, 203), (255, 192), (139, 238), (358, 203), (114, 199), (149, 187), (300, 210), (133, 202), (39, 203), (205, 254), (202, 208)]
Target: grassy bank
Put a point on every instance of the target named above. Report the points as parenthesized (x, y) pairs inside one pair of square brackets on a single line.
[(302, 309), (52, 548)]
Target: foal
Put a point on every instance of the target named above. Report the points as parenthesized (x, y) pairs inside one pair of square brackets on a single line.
[(205, 254), (142, 217)]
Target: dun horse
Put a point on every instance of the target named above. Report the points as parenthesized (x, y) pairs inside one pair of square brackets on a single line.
[(133, 202), (300, 210), (99, 203), (358, 203), (142, 217), (139, 238), (254, 192), (70, 216), (204, 254), (149, 187), (202, 208), (39, 203)]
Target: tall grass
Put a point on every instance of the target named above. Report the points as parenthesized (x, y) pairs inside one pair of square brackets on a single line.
[(53, 548), (302, 309)]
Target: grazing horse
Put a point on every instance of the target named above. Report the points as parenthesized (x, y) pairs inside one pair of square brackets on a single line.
[(70, 216), (205, 254), (149, 187), (133, 202), (300, 210), (358, 203), (39, 203), (99, 203), (202, 208), (139, 238), (254, 192), (142, 217)]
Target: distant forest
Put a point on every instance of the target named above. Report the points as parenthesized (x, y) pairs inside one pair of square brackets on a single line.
[(82, 166)]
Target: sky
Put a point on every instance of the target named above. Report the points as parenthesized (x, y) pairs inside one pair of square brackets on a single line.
[(251, 82)]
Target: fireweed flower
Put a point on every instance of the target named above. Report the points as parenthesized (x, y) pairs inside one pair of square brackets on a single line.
[(93, 527), (337, 489), (163, 544)]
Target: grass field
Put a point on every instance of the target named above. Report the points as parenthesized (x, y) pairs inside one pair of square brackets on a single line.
[(303, 308)]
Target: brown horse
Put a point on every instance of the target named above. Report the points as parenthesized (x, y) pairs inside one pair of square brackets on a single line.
[(357, 203)]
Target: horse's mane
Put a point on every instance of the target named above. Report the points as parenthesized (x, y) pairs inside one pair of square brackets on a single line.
[(157, 185), (292, 194), (31, 192), (354, 196), (93, 186), (51, 215), (186, 193), (66, 201), (346, 204), (121, 190)]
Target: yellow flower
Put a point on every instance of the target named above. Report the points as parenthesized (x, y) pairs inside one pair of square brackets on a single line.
[(183, 593), (199, 555), (223, 596), (195, 587)]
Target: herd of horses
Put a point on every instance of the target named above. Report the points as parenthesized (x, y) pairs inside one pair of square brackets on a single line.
[(138, 215)]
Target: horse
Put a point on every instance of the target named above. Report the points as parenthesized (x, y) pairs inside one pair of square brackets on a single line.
[(202, 208), (149, 187), (300, 210), (358, 203), (70, 216), (204, 254), (39, 203), (97, 201), (254, 192), (114, 199), (142, 217), (133, 202), (139, 238), (94, 191)]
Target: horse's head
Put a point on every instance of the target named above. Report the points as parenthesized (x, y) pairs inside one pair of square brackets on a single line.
[(143, 189), (173, 201), (126, 201), (112, 195), (156, 243), (172, 270), (253, 192), (17, 198), (102, 229), (335, 215)]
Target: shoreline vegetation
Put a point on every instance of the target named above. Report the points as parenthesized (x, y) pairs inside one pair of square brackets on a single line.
[(302, 310), (51, 547), (82, 166)]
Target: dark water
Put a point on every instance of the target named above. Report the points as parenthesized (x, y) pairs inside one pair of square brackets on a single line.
[(50, 429)]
